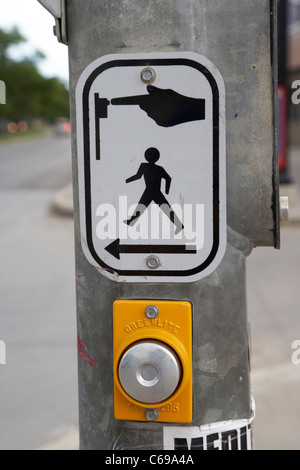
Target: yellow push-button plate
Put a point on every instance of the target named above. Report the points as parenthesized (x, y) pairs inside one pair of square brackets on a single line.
[(173, 328)]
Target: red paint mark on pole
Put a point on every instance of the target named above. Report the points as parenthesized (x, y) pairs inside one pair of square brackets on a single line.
[(84, 355), (282, 126), (80, 283)]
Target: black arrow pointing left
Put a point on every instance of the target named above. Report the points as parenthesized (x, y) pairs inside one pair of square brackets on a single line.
[(116, 249)]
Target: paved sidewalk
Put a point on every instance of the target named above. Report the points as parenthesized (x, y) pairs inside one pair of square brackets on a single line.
[(69, 441), (63, 200)]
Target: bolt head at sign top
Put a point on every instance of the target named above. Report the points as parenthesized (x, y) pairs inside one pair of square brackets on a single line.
[(151, 165)]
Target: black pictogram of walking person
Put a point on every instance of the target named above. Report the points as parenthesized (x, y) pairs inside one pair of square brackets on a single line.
[(153, 175)]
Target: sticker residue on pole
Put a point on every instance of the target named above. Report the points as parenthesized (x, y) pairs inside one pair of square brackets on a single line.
[(225, 435)]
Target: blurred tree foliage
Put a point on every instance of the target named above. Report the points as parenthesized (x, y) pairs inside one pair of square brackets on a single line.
[(29, 95)]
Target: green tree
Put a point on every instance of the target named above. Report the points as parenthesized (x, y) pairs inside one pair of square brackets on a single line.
[(6, 41), (29, 95)]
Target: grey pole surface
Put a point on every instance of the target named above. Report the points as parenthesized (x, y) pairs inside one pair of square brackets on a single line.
[(236, 36)]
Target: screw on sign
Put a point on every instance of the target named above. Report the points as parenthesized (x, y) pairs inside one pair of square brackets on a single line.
[(151, 161)]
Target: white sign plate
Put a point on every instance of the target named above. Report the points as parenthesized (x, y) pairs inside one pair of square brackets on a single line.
[(151, 156)]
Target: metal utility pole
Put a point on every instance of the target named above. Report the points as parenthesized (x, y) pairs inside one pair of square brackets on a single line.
[(175, 174), (283, 91)]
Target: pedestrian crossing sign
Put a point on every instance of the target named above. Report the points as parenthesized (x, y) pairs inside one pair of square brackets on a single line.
[(151, 166)]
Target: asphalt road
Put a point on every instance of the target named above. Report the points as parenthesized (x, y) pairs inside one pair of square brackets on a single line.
[(38, 384), (273, 310), (41, 163), (274, 313)]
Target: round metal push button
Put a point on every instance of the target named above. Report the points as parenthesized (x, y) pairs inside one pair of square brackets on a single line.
[(149, 371)]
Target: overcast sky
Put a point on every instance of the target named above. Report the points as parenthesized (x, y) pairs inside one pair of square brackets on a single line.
[(36, 25)]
